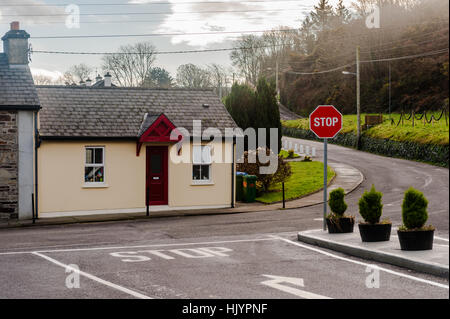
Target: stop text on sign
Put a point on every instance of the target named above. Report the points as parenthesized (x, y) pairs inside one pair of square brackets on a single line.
[(325, 121)]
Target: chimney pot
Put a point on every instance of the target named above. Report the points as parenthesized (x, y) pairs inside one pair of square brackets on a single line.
[(15, 25), (107, 80)]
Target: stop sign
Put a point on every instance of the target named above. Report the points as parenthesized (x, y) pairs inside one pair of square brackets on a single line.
[(325, 121)]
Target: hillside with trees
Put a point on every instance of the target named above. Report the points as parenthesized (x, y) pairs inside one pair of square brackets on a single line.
[(311, 59)]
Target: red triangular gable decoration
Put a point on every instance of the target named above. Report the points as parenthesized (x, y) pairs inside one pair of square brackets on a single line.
[(159, 131)]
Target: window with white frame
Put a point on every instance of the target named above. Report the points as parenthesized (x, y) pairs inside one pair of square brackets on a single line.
[(201, 168), (94, 167)]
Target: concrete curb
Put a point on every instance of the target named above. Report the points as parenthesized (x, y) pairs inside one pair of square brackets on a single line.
[(376, 255), (346, 177)]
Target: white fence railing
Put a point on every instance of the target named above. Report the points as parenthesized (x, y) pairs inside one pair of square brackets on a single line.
[(300, 149)]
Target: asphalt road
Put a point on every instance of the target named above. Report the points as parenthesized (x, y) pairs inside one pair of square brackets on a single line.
[(393, 177), (231, 267), (252, 255)]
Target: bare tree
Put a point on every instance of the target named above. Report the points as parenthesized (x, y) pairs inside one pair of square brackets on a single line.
[(132, 64), (42, 80), (220, 78), (192, 76), (248, 57), (77, 73)]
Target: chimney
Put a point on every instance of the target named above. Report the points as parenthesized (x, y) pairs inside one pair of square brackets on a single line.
[(15, 45), (82, 83), (98, 78), (88, 82), (107, 80)]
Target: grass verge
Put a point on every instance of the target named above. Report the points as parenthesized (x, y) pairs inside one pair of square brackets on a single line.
[(306, 178), (285, 154), (435, 134)]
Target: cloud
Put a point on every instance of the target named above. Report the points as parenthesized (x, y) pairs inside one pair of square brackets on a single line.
[(54, 75), (31, 7), (192, 17)]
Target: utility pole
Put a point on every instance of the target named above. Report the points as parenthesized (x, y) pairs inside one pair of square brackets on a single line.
[(358, 98), (390, 96), (276, 79)]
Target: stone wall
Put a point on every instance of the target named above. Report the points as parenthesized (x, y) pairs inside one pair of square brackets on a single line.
[(8, 165)]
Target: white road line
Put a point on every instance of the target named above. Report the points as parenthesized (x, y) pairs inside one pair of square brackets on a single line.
[(94, 278), (27, 251), (362, 263), (441, 238), (139, 246)]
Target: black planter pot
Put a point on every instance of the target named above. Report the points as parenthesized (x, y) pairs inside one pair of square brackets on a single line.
[(375, 232), (416, 240), (340, 225)]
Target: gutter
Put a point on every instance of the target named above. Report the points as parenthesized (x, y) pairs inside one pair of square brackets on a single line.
[(20, 107), (232, 174)]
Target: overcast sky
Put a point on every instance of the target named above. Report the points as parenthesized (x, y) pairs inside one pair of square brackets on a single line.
[(150, 16)]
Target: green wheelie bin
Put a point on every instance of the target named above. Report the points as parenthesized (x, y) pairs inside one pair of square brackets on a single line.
[(239, 188), (249, 186)]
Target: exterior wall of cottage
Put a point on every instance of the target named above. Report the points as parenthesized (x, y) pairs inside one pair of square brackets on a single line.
[(62, 191), (8, 165)]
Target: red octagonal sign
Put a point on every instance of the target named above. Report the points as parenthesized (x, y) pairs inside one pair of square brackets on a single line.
[(325, 121)]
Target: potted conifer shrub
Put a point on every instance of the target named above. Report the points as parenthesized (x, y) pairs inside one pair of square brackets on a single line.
[(413, 234), (371, 208), (337, 221)]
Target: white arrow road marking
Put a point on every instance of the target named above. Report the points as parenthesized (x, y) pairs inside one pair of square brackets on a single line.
[(276, 281)]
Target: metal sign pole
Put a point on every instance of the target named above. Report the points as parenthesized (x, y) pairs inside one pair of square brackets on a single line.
[(325, 166)]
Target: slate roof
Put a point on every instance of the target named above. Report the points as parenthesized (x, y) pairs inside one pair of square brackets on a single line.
[(16, 85), (119, 112)]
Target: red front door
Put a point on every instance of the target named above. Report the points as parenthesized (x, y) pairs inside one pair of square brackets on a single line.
[(157, 181)]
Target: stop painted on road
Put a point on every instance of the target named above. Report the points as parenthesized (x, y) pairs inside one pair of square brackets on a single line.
[(170, 254)]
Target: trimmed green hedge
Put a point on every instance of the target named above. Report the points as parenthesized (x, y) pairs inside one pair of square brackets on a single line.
[(436, 154)]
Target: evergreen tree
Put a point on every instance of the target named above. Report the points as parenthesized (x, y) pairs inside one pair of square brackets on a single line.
[(322, 15), (158, 78), (342, 14), (267, 112), (240, 103), (307, 36), (255, 109)]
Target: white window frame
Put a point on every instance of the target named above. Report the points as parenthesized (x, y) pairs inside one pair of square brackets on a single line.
[(94, 184), (202, 163)]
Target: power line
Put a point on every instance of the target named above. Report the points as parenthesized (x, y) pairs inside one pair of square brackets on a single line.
[(406, 46), (322, 72), (372, 49), (423, 35), (375, 60), (140, 4), (145, 21), (151, 13), (156, 53), (408, 56), (154, 34)]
